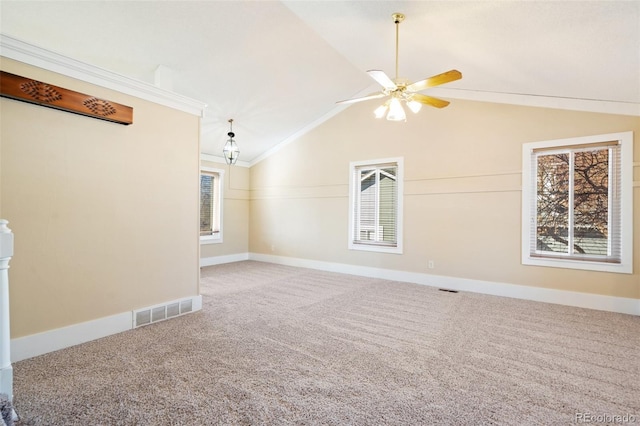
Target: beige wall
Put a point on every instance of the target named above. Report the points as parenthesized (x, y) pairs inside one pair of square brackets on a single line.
[(104, 215), (235, 215), (462, 199)]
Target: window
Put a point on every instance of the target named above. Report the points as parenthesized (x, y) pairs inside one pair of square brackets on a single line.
[(577, 203), (211, 205), (376, 206)]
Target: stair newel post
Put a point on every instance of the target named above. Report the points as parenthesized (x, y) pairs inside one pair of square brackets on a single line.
[(6, 252)]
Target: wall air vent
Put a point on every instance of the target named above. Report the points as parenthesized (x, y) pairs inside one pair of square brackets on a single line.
[(143, 317), (159, 313), (173, 309), (162, 312), (186, 306)]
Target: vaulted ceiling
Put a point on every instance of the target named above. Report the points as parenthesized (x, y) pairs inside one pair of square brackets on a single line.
[(278, 67)]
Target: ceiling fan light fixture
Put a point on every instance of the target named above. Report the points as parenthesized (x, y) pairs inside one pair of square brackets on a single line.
[(231, 151), (414, 106), (401, 90), (396, 112), (382, 110)]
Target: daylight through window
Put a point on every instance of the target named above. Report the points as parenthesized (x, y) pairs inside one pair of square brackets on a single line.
[(575, 209), (210, 205), (375, 195)]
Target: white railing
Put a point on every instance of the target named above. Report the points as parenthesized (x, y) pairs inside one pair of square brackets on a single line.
[(6, 251)]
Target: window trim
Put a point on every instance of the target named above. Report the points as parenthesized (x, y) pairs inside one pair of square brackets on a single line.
[(214, 239), (625, 266), (397, 249)]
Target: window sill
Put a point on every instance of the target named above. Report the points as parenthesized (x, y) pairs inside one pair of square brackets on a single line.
[(620, 268), (210, 240), (375, 248)]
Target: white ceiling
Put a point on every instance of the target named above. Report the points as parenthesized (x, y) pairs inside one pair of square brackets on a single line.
[(278, 67)]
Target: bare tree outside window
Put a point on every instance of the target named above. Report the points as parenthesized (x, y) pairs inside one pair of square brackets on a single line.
[(572, 203), (211, 199), (577, 203), (206, 204)]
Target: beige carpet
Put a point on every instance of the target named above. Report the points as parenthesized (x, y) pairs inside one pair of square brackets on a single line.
[(281, 345)]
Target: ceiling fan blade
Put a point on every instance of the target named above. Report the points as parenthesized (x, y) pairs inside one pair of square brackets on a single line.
[(436, 80), (383, 79), (428, 100), (377, 95)]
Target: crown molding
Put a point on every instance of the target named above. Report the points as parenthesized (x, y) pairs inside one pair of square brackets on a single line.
[(30, 54)]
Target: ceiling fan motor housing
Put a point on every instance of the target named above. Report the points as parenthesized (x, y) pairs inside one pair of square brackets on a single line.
[(397, 17)]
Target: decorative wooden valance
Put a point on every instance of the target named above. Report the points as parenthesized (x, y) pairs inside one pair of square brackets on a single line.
[(39, 93)]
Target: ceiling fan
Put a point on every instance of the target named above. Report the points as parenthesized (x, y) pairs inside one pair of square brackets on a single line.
[(400, 89)]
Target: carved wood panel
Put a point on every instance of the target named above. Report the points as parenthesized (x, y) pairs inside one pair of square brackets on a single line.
[(39, 93)]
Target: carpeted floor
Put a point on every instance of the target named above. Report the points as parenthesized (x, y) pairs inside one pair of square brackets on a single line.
[(277, 345)]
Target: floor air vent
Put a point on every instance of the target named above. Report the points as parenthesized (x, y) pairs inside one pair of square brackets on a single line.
[(161, 312)]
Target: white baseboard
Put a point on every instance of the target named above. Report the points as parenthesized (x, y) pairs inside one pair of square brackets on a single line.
[(64, 337), (218, 260), (60, 338), (570, 298), (197, 302)]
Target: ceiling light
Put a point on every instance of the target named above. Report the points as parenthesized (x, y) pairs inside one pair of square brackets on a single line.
[(400, 90), (231, 151), (414, 106), (382, 110), (396, 112)]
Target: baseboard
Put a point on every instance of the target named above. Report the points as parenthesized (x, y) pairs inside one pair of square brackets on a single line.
[(60, 338), (218, 260), (64, 337), (562, 297)]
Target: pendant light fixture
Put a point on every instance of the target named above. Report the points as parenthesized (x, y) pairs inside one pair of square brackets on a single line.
[(231, 151)]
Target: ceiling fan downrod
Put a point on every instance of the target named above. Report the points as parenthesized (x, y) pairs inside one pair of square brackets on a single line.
[(397, 18), (231, 134)]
